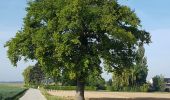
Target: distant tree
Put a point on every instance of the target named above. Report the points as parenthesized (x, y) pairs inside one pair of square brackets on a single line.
[(72, 36), (33, 75), (141, 67), (134, 75), (26, 75), (158, 83)]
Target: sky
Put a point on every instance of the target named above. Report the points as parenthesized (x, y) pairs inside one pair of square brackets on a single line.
[(154, 16)]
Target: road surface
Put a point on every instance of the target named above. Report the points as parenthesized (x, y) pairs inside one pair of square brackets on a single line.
[(33, 94)]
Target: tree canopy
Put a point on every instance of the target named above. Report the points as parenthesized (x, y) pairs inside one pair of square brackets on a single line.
[(132, 76), (33, 75), (72, 36)]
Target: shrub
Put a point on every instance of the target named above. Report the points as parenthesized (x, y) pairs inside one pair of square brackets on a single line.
[(111, 88), (90, 88), (31, 86), (56, 87), (143, 88), (158, 83)]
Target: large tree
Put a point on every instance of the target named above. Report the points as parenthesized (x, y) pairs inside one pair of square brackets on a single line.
[(72, 36)]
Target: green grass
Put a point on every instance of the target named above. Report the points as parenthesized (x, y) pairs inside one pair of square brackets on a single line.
[(55, 87), (11, 91), (51, 97)]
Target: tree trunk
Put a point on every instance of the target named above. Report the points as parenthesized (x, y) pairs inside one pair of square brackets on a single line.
[(80, 90)]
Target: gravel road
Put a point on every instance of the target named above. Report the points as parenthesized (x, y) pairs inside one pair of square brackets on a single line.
[(33, 94)]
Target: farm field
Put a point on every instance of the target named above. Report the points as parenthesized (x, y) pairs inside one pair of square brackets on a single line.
[(10, 90), (94, 95)]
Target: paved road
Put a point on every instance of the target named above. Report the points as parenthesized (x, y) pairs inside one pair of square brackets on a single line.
[(33, 94)]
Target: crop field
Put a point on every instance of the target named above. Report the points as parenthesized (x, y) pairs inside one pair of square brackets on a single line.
[(10, 90), (99, 95)]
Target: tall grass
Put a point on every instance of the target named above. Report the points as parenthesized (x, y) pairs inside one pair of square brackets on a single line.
[(56, 87), (51, 97)]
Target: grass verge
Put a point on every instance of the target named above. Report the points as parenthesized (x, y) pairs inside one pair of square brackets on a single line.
[(56, 87), (51, 97)]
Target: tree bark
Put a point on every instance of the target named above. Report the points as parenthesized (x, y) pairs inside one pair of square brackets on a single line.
[(80, 90)]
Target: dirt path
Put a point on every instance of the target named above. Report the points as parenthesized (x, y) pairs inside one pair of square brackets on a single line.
[(33, 94)]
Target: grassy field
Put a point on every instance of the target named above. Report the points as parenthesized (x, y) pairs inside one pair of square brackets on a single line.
[(100, 95), (11, 91)]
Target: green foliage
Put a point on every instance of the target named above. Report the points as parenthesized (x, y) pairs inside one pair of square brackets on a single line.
[(68, 82), (95, 81), (143, 88), (109, 82), (141, 67), (33, 76), (92, 80), (56, 87), (26, 75), (158, 83), (64, 80), (9, 92), (134, 75), (72, 36)]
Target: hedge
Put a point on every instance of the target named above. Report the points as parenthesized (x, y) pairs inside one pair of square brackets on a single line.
[(55, 87), (143, 88)]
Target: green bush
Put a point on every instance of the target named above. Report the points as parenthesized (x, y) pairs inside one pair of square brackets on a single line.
[(31, 86), (143, 88), (110, 88), (90, 88), (56, 87), (158, 83)]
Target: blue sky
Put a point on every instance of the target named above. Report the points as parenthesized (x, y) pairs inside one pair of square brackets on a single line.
[(154, 15)]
